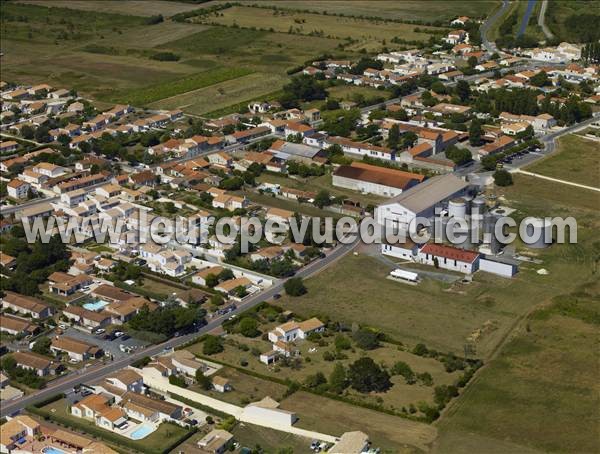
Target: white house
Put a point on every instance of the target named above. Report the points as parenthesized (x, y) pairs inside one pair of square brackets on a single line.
[(18, 189), (291, 331)]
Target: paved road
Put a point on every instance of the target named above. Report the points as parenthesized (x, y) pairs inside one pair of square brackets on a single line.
[(542, 20), (96, 373), (490, 46)]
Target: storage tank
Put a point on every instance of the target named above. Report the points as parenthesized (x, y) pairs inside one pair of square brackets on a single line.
[(489, 238), (536, 232), (457, 208), (478, 207)]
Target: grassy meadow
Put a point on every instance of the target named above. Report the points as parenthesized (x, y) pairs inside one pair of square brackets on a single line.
[(426, 10), (577, 160)]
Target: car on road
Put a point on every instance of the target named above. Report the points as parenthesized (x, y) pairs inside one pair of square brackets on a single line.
[(63, 326), (276, 296), (100, 331), (118, 333)]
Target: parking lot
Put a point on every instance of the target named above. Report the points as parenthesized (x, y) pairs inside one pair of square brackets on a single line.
[(107, 345)]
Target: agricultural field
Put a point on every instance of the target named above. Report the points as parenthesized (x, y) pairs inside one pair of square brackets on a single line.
[(129, 7), (540, 393), (223, 94), (559, 11), (390, 433), (111, 57), (369, 34), (577, 160), (427, 10)]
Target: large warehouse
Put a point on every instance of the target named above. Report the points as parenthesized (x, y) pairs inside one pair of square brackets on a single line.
[(420, 201), (371, 179)]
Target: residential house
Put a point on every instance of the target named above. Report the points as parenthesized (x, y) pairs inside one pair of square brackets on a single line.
[(217, 441), (41, 365), (7, 261), (230, 286), (200, 277), (221, 384), (292, 331), (126, 380), (64, 284), (18, 189), (89, 319), (17, 326), (76, 349), (17, 430), (363, 149), (147, 409), (26, 305)]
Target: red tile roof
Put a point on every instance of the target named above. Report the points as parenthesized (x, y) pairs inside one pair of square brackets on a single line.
[(449, 252)]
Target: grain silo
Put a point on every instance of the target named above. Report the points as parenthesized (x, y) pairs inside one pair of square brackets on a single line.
[(536, 232)]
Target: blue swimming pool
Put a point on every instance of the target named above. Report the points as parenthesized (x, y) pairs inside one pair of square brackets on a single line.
[(95, 306), (142, 431), (52, 450)]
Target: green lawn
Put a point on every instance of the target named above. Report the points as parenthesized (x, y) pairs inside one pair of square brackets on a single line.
[(577, 160)]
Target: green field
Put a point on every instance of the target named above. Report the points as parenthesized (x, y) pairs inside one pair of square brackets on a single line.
[(390, 433), (166, 90), (541, 393), (577, 160), (369, 33), (427, 10), (221, 95), (132, 7), (559, 10), (106, 56)]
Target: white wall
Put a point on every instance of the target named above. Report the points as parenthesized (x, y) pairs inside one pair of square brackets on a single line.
[(498, 268)]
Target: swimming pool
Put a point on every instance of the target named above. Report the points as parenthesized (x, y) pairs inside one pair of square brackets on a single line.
[(142, 431), (96, 306), (53, 450)]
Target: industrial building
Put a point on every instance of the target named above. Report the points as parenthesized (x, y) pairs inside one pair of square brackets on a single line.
[(372, 179), (420, 201)]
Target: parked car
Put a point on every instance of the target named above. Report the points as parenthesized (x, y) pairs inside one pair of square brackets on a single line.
[(100, 331), (276, 296)]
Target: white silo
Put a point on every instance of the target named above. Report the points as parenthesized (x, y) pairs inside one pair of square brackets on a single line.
[(457, 208), (478, 207), (536, 232)]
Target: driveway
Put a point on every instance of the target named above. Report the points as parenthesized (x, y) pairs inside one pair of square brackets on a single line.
[(106, 345)]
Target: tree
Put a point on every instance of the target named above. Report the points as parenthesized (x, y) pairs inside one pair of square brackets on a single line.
[(475, 133), (366, 339), (463, 90), (338, 380), (540, 79), (249, 327), (211, 280), (42, 346), (203, 381), (212, 345), (472, 62), (217, 300), (394, 137), (322, 198), (27, 132), (403, 369), (226, 274), (341, 342), (302, 88), (503, 178), (366, 376), (408, 139), (294, 286), (458, 155), (316, 380)]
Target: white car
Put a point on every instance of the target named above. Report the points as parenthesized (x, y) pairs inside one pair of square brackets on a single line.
[(100, 331), (63, 326)]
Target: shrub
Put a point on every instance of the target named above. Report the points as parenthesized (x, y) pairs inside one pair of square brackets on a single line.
[(212, 345), (294, 286)]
